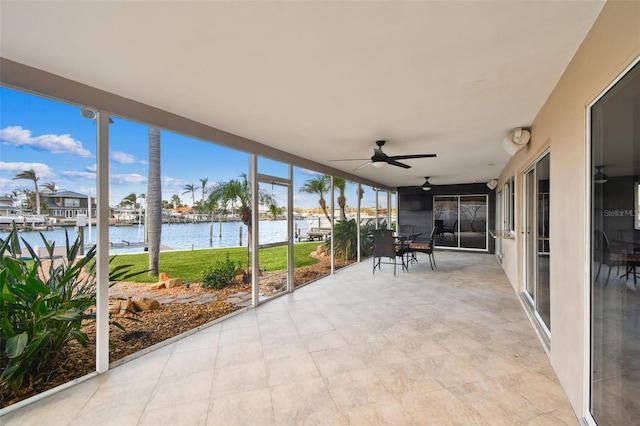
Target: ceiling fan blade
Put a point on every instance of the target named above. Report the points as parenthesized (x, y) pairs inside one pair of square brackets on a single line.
[(380, 157), (350, 159), (407, 157), (397, 163), (362, 165)]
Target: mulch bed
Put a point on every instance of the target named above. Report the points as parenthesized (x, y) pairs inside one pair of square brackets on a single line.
[(150, 327)]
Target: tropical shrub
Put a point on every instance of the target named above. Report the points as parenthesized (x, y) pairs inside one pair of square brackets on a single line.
[(346, 239), (221, 274), (42, 308)]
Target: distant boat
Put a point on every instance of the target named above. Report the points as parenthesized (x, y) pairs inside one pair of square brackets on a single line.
[(22, 220)]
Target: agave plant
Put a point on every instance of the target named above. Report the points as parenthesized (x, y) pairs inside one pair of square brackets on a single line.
[(43, 307)]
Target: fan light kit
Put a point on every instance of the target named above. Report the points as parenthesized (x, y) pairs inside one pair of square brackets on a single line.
[(600, 177), (380, 159), (426, 186)]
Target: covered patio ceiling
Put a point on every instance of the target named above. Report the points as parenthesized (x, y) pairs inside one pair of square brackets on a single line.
[(322, 80)]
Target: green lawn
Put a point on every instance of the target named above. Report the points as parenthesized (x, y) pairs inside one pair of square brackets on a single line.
[(193, 264)]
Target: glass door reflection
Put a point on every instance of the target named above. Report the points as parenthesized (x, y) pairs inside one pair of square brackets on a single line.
[(460, 221)]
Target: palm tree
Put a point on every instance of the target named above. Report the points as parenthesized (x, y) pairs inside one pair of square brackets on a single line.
[(176, 201), (191, 188), (275, 211), (31, 175), (29, 199), (340, 184), (154, 201), (318, 185), (130, 200), (203, 181), (14, 195), (51, 187), (238, 191)]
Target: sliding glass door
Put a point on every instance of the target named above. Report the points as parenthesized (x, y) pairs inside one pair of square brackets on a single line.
[(615, 253), (536, 239), (460, 221)]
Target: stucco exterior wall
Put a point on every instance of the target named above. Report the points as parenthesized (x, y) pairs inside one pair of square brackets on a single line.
[(610, 47)]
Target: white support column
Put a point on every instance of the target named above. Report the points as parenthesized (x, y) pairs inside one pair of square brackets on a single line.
[(102, 240), (376, 208), (389, 210), (358, 224), (397, 211), (290, 225), (332, 224), (255, 223)]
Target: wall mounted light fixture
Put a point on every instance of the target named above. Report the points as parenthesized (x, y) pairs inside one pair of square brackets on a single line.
[(91, 114), (516, 140)]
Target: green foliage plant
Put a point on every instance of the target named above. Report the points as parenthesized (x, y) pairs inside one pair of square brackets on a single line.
[(221, 274), (43, 307), (346, 239)]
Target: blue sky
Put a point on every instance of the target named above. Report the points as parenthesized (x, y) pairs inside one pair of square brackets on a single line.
[(54, 140)]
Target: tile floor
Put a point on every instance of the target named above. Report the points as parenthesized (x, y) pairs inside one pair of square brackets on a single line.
[(450, 346)]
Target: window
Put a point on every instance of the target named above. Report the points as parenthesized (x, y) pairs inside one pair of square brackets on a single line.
[(508, 202), (71, 202), (636, 205)]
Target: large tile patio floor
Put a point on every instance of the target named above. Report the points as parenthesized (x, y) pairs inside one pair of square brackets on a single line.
[(450, 346)]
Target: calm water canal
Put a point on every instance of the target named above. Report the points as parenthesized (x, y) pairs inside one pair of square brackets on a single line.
[(174, 236)]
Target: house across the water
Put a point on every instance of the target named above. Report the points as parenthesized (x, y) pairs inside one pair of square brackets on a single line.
[(64, 206)]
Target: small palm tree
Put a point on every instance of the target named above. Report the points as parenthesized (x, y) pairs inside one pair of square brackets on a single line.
[(31, 175), (191, 188), (341, 184), (51, 187), (318, 185), (176, 201), (275, 210), (238, 191), (203, 181), (130, 200)]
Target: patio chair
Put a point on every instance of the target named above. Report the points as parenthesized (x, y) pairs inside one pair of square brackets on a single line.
[(426, 247), (450, 229), (605, 254), (407, 229), (384, 246), (438, 228)]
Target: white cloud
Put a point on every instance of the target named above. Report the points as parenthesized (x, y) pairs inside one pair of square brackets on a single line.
[(55, 144), (124, 158), (132, 178), (93, 168), (42, 170), (310, 172), (7, 185), (169, 181), (76, 174)]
